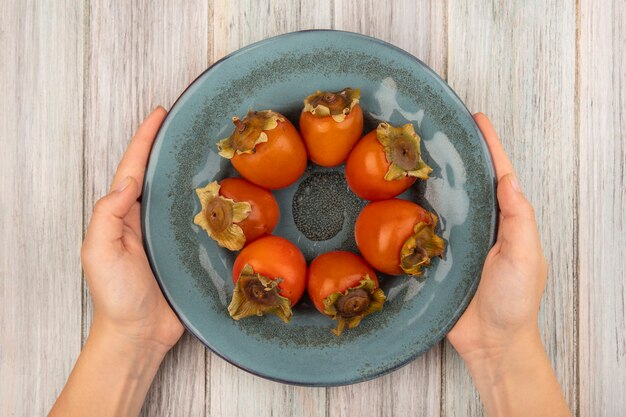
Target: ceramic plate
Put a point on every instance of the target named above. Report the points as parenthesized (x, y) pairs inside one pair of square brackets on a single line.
[(318, 211)]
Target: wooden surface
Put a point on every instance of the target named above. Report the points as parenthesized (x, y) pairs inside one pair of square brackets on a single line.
[(601, 127), (517, 63), (132, 65), (41, 200), (76, 78)]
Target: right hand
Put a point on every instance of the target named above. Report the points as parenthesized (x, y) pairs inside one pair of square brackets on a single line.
[(128, 303)]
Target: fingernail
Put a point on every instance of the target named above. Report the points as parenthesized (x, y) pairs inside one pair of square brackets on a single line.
[(157, 108), (515, 182), (123, 185)]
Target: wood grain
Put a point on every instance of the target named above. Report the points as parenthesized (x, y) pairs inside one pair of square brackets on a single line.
[(516, 62), (234, 392), (602, 207), (255, 20), (41, 121), (76, 78), (237, 393), (141, 54), (419, 28)]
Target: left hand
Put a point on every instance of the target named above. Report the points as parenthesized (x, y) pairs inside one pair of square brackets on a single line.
[(127, 300), (504, 311)]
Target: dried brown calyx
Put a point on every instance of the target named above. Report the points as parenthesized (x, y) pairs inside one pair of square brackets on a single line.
[(421, 247), (219, 217), (351, 306), (256, 295), (402, 149), (249, 132), (335, 104)]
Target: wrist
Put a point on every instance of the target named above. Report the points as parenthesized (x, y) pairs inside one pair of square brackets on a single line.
[(494, 363), (138, 357), (516, 379), (112, 375), (484, 344), (493, 357)]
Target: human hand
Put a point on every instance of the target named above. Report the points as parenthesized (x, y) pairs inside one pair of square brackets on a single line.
[(505, 309), (498, 335), (128, 303), (133, 326)]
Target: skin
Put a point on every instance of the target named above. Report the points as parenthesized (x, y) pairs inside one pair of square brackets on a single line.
[(498, 335), (366, 168), (265, 212), (277, 163), (382, 228), (328, 142), (262, 255), (335, 272), (133, 327)]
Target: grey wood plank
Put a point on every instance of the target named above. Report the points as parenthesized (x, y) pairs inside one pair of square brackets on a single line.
[(419, 28), (142, 54), (237, 393), (251, 21), (602, 212), (41, 122), (234, 392), (516, 61)]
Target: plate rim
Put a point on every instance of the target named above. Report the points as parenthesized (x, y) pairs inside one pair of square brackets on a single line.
[(441, 334)]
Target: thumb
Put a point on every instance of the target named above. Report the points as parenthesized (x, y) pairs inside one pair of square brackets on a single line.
[(511, 199), (518, 228), (107, 222)]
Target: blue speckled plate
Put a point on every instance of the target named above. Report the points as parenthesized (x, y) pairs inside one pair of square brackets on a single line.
[(318, 212)]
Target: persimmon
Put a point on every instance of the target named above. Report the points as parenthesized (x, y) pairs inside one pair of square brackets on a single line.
[(236, 212), (270, 278), (266, 149), (397, 236), (344, 287), (331, 123), (386, 162)]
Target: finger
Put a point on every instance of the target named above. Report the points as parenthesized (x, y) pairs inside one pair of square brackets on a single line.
[(133, 218), (518, 232), (107, 222), (511, 199), (501, 161), (135, 158), (131, 241)]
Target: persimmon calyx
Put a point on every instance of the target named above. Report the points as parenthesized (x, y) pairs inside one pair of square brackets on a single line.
[(336, 104), (219, 217), (257, 295), (352, 305), (249, 132), (421, 247), (403, 152)]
